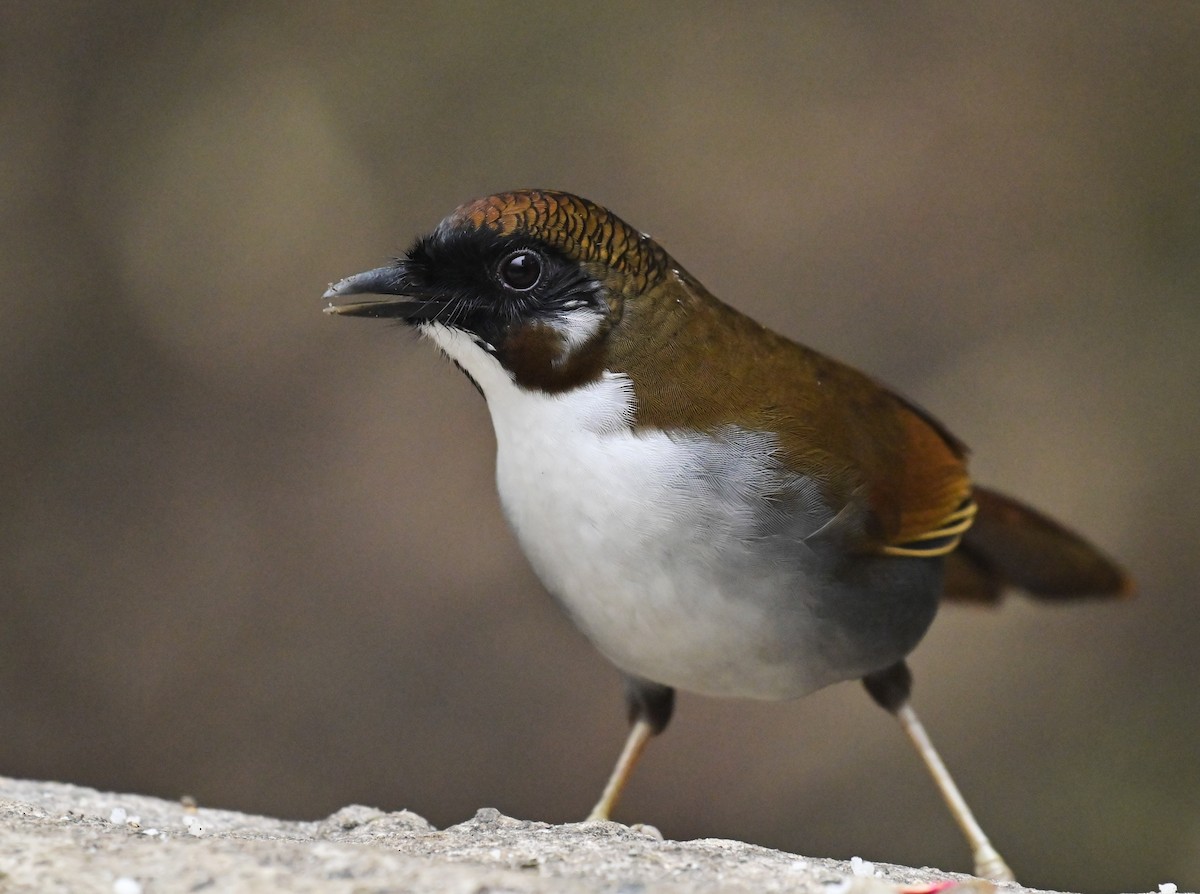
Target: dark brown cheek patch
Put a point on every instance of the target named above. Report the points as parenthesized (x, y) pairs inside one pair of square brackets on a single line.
[(581, 230), (535, 354)]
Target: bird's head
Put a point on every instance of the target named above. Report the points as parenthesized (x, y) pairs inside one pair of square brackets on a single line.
[(537, 280)]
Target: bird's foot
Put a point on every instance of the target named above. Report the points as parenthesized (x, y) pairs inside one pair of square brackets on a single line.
[(990, 865)]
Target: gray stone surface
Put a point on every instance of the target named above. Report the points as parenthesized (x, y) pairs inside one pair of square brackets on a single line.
[(64, 838)]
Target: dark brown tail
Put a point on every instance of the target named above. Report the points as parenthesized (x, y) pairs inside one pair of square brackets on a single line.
[(1012, 545)]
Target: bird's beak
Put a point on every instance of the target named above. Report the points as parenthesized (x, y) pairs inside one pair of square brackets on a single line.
[(389, 281)]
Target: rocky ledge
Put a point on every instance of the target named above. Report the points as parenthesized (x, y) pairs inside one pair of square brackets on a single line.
[(65, 838)]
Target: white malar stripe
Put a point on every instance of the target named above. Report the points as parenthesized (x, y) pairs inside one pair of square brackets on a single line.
[(577, 327)]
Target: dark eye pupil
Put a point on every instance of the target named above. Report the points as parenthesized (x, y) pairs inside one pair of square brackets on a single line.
[(521, 270)]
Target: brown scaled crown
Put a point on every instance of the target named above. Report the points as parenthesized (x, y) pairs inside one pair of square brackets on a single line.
[(580, 229)]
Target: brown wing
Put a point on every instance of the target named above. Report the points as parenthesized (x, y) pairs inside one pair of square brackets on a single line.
[(911, 470), (696, 362)]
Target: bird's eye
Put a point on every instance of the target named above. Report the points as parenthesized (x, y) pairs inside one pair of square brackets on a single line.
[(521, 270)]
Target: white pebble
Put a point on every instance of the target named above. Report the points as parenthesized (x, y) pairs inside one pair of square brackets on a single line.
[(798, 865), (126, 885), (647, 830), (1168, 888), (118, 816), (862, 868)]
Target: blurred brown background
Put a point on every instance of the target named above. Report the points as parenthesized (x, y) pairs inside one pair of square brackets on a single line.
[(254, 554)]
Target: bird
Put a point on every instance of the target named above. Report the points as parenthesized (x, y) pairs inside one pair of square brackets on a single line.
[(718, 508)]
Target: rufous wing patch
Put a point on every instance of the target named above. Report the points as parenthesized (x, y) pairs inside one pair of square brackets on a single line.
[(928, 494)]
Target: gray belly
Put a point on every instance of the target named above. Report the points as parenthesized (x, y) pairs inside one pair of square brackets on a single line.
[(750, 629), (701, 563)]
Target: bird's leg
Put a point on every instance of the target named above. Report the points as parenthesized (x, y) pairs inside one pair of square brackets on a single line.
[(890, 688), (650, 706), (988, 862), (639, 736)]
